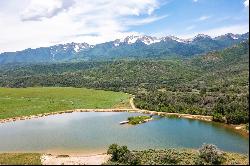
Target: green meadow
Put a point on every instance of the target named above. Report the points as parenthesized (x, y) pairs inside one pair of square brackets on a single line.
[(16, 102)]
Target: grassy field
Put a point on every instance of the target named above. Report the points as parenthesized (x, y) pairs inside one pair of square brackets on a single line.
[(20, 159), (32, 101)]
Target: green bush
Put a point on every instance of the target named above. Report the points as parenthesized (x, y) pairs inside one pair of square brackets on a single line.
[(137, 119), (113, 151), (210, 154), (121, 154), (130, 159), (217, 117), (171, 156), (237, 117)]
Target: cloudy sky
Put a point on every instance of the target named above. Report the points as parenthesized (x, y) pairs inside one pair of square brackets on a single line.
[(37, 23)]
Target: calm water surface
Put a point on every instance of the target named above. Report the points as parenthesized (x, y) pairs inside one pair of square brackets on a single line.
[(94, 132)]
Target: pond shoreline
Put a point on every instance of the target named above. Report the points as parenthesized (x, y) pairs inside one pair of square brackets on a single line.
[(188, 116), (238, 128)]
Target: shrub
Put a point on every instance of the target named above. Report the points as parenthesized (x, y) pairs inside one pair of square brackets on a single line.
[(137, 119), (210, 154), (113, 151), (217, 117), (121, 154), (203, 91), (237, 117), (131, 159), (171, 157)]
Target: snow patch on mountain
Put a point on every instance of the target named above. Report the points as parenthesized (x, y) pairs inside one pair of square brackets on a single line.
[(77, 48), (173, 38), (131, 39), (148, 40)]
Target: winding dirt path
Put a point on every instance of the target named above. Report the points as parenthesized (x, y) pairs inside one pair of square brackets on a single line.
[(131, 101)]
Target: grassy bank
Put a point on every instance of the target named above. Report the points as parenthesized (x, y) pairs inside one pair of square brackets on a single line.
[(31, 101), (20, 159)]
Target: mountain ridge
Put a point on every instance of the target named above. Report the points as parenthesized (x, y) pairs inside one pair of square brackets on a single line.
[(134, 46)]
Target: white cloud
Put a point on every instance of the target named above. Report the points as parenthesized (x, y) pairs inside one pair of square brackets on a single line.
[(135, 22), (195, 0), (203, 18), (36, 23), (236, 29), (38, 9), (246, 3), (190, 27)]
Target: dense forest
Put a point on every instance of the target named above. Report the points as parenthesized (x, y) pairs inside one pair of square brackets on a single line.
[(213, 84)]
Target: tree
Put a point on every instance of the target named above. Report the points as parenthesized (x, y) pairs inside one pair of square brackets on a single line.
[(113, 150), (122, 154), (210, 154)]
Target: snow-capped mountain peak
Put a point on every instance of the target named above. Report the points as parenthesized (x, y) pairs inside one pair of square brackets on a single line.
[(114, 49), (79, 46), (201, 36), (233, 36), (174, 38), (230, 36), (131, 39), (149, 40), (72, 47)]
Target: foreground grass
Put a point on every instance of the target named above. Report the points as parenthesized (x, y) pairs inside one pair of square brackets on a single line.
[(146, 157), (31, 101), (185, 157), (20, 159), (121, 155)]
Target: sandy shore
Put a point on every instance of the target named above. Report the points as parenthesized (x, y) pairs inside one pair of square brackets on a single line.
[(98, 159)]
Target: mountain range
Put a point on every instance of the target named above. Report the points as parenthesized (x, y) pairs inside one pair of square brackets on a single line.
[(131, 47)]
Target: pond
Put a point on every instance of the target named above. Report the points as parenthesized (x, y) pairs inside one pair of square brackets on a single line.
[(93, 132)]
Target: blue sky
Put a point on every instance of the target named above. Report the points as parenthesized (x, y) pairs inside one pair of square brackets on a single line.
[(36, 23), (186, 18)]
